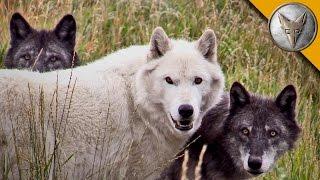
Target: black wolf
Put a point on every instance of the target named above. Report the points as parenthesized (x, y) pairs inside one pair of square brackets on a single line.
[(245, 135), (41, 50)]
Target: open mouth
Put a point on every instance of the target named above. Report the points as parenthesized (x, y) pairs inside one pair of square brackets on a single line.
[(255, 173), (180, 126)]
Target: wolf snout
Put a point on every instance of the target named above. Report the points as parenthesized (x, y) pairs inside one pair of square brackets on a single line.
[(185, 111), (255, 163), (184, 123)]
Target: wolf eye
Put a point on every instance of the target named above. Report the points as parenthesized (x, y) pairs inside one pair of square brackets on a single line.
[(198, 80), (26, 57), (273, 133), (245, 131), (169, 80), (298, 31)]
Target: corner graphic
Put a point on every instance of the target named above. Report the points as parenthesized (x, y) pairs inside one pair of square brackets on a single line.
[(293, 27)]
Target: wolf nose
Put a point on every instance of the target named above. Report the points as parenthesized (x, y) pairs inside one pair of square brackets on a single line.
[(254, 162), (185, 110)]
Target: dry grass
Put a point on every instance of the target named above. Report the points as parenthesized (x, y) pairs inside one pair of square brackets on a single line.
[(246, 51), (35, 157)]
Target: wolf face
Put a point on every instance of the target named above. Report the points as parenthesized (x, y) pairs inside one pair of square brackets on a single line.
[(184, 78), (41, 50), (291, 28), (244, 136), (258, 131)]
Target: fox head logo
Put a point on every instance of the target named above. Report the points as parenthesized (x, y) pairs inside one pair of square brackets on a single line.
[(292, 28)]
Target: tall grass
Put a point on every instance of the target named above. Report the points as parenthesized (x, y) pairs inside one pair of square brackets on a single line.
[(246, 51), (33, 153)]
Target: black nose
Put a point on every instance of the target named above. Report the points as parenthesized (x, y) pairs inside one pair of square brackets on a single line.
[(255, 162), (185, 110)]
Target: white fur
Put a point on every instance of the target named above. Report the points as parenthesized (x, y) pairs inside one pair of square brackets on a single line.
[(121, 100), (245, 158), (268, 159)]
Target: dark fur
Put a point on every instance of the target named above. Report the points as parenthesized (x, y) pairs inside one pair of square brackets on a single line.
[(222, 123), (57, 45)]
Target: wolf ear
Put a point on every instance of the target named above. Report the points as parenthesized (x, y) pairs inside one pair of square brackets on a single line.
[(301, 19), (207, 45), (19, 27), (239, 96), (286, 100), (159, 43), (283, 19), (66, 30)]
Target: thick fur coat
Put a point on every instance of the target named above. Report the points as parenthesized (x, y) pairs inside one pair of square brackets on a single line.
[(244, 136), (117, 117)]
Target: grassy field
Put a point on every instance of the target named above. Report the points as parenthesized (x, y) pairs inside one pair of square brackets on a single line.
[(246, 51)]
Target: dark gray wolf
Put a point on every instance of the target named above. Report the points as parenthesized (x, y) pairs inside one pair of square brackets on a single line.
[(245, 135), (41, 50)]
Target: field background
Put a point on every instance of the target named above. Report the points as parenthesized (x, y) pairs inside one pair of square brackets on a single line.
[(246, 51)]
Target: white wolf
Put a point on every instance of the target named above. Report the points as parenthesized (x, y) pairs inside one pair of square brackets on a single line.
[(130, 112)]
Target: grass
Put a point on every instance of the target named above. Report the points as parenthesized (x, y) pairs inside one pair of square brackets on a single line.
[(246, 51)]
